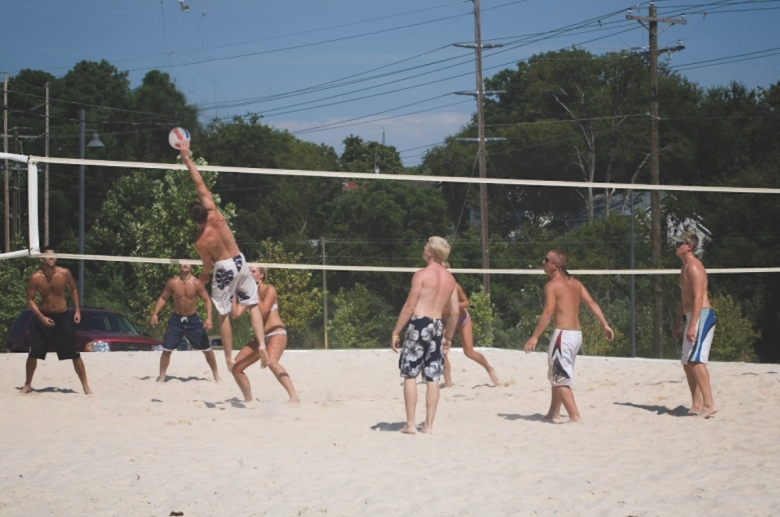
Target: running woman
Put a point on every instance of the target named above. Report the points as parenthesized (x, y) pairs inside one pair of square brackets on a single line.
[(466, 338)]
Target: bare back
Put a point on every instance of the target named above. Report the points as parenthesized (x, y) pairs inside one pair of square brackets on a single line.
[(568, 295), (51, 289), (216, 239), (436, 285), (693, 277), (185, 295)]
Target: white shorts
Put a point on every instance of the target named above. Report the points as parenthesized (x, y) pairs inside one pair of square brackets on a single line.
[(564, 345), (231, 277), (699, 352)]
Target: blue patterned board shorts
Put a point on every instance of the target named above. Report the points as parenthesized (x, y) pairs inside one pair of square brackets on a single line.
[(422, 349)]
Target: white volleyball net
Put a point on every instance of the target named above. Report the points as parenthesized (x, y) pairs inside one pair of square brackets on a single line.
[(158, 235)]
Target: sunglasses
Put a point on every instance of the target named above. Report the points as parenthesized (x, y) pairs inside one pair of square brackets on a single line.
[(677, 244), (546, 260)]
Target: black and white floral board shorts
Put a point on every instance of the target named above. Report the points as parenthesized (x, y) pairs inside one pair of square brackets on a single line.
[(422, 349)]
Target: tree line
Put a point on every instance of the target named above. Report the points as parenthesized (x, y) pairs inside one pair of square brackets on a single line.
[(566, 115)]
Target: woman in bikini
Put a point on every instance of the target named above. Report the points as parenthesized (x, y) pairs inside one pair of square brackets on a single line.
[(466, 337), (275, 334)]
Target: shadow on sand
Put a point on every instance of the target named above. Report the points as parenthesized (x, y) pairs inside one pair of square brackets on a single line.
[(387, 426), (536, 417), (658, 410), (233, 402), (50, 389), (175, 378)]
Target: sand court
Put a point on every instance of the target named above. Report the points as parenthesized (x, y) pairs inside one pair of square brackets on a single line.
[(141, 448)]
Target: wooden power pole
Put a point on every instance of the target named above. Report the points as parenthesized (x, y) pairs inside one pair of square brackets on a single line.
[(5, 150), (655, 202)]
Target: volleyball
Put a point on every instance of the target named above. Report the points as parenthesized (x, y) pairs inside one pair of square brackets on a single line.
[(177, 136)]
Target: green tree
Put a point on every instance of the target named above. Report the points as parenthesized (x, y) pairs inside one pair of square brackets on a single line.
[(361, 319), (360, 156)]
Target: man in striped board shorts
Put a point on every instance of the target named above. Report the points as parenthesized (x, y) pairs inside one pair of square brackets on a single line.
[(699, 319)]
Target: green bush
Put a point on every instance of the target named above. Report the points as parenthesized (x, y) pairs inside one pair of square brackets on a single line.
[(734, 333), (360, 320), (482, 314)]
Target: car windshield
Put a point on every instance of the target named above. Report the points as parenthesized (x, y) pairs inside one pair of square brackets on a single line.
[(105, 321)]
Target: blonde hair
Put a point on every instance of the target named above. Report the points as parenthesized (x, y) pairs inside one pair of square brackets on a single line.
[(689, 238), (440, 249)]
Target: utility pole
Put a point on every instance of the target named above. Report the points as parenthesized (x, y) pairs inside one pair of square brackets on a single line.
[(655, 201), (15, 201), (482, 152), (324, 294), (5, 150), (82, 151), (46, 177)]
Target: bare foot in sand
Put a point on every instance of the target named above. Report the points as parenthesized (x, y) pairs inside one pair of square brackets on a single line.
[(427, 430), (26, 389), (409, 429), (708, 412), (552, 419), (87, 391), (694, 411), (217, 378), (493, 376), (161, 378), (293, 400), (575, 421)]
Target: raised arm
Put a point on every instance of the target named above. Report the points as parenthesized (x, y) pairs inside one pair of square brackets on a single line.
[(74, 293), (204, 295), (407, 311), (160, 303), (203, 192), (544, 318), (596, 310)]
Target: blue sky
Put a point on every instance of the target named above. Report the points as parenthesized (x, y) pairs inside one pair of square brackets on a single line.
[(240, 56)]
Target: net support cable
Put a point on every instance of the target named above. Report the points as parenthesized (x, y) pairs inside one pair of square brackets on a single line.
[(34, 250)]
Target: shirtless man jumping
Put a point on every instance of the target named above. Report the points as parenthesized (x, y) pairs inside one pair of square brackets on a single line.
[(700, 320), (54, 324), (433, 288), (218, 250), (186, 289), (562, 297)]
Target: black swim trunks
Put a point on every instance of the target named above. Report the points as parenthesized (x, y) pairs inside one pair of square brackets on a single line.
[(190, 326), (62, 335), (422, 349)]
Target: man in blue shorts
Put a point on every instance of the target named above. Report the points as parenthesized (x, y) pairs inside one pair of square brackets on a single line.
[(699, 318), (433, 288), (186, 289)]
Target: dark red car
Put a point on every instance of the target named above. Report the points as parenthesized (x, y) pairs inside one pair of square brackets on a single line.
[(100, 330)]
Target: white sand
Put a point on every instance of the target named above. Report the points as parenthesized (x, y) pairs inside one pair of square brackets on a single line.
[(140, 448)]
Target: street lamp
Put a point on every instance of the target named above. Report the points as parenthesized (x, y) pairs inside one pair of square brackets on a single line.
[(94, 143)]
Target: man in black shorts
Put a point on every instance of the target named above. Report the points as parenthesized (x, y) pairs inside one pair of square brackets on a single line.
[(184, 321), (54, 325), (426, 337)]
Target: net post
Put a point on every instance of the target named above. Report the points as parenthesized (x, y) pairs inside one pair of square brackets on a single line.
[(32, 207)]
